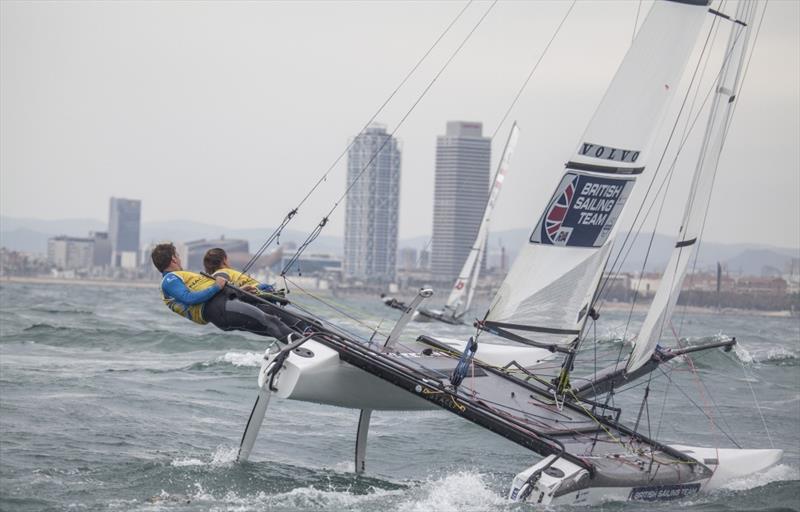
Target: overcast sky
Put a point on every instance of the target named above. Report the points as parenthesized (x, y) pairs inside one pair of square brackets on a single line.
[(227, 113)]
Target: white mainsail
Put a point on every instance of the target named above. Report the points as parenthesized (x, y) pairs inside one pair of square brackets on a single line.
[(551, 285), (666, 297), (468, 277)]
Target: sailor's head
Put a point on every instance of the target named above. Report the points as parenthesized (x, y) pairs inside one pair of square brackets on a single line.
[(165, 257), (215, 259)]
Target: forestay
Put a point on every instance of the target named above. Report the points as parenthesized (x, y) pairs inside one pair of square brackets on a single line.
[(702, 181), (468, 277), (548, 292)]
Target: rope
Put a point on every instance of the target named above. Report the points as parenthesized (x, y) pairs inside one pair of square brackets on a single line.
[(277, 232), (758, 406), (636, 21), (390, 136), (655, 175), (533, 70), (338, 309), (698, 407)]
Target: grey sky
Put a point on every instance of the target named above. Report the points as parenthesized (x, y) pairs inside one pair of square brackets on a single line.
[(227, 113)]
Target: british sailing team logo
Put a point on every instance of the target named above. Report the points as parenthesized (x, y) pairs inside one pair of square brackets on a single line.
[(558, 212)]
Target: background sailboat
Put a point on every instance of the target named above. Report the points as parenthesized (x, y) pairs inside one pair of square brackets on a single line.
[(460, 298)]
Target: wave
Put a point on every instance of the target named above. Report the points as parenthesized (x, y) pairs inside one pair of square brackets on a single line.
[(230, 360), (459, 492), (778, 473), (222, 456), (125, 339), (465, 491), (775, 355), (67, 309)]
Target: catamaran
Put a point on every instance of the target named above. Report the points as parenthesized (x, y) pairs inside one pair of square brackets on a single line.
[(463, 290), (589, 451)]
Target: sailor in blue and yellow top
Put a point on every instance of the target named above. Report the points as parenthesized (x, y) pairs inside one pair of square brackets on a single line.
[(186, 293), (202, 300), (215, 262)]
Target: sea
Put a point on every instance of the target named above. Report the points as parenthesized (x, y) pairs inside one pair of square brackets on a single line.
[(110, 402)]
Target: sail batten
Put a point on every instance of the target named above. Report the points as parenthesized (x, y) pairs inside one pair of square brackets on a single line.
[(554, 278)]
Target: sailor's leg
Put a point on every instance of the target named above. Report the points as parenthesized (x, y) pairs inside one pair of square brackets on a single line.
[(230, 314), (246, 317), (295, 321)]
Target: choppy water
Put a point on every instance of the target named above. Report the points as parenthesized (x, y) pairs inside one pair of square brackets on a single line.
[(110, 402)]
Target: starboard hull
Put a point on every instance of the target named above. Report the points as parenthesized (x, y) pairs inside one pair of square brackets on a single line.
[(548, 489)]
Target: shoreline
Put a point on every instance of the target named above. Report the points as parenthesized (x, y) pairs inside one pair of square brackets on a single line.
[(78, 282), (611, 306)]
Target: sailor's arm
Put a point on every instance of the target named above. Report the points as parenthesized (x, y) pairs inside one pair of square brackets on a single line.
[(174, 287), (246, 282)]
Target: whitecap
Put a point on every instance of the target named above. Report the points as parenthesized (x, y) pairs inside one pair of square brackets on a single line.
[(459, 492), (222, 456), (242, 359), (180, 463), (779, 473)]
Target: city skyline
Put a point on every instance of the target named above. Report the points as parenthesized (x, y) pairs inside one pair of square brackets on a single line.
[(463, 157), (370, 236), (164, 134)]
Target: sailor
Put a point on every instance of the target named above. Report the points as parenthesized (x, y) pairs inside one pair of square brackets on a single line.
[(203, 300), (216, 263)]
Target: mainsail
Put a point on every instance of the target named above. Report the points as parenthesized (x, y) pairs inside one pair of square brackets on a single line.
[(468, 277), (547, 294), (666, 297)]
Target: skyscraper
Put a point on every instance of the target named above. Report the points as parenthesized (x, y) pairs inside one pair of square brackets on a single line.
[(124, 218), (370, 233), (463, 159)]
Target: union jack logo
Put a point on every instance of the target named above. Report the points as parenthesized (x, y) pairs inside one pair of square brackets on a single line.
[(558, 211)]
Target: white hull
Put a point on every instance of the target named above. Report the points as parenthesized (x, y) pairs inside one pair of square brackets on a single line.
[(314, 373), (730, 465)]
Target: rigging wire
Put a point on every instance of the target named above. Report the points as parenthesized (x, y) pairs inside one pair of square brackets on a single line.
[(636, 21), (533, 70), (689, 398), (276, 233), (692, 193), (616, 273), (705, 217), (315, 233)]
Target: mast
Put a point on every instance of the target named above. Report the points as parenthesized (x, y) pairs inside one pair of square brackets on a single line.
[(546, 297), (696, 206), (468, 277)]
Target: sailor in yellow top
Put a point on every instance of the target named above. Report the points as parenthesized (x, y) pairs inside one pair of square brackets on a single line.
[(204, 300), (216, 263)]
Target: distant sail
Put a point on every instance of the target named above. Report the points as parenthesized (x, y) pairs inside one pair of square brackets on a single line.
[(696, 205), (548, 292), (468, 277)]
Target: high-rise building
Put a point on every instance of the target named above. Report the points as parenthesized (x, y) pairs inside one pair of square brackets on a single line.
[(70, 253), (102, 248), (370, 233), (124, 219), (463, 159)]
